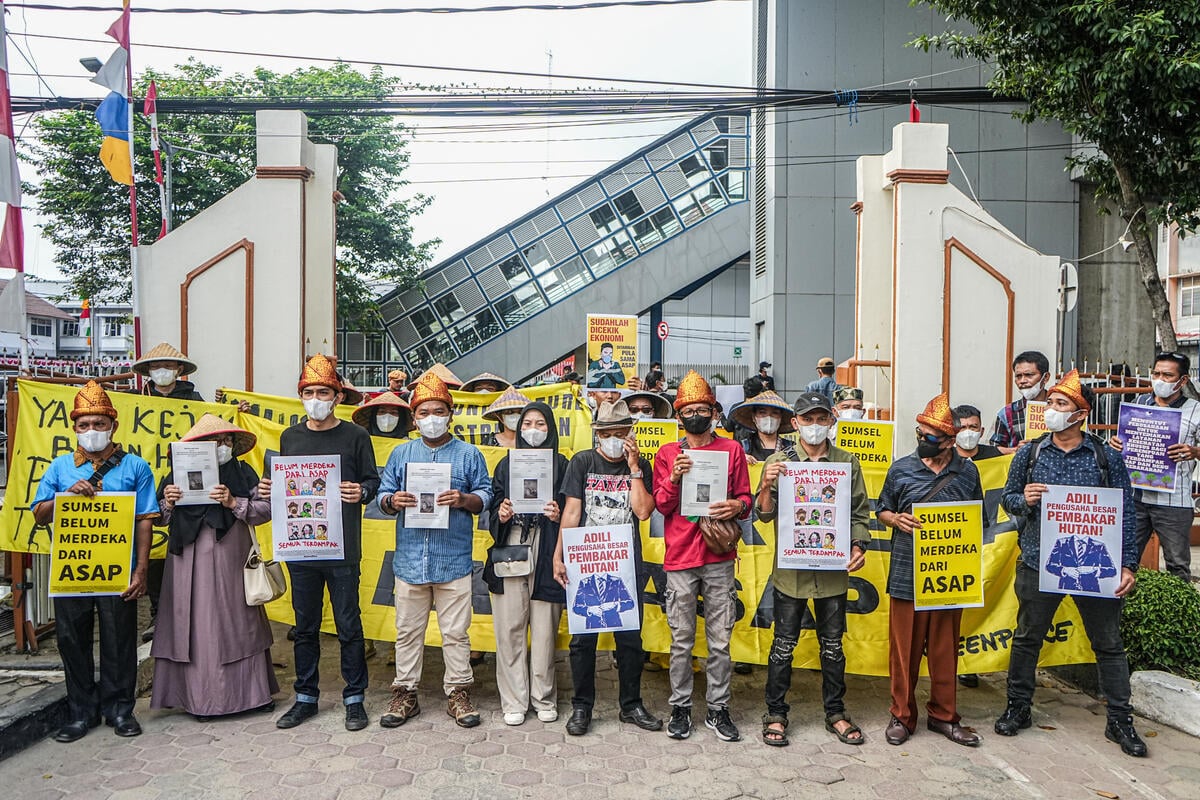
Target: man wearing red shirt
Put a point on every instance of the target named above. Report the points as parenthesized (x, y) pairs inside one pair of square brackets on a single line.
[(692, 569)]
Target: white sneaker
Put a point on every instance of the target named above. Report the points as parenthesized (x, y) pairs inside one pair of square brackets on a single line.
[(548, 715), (514, 718)]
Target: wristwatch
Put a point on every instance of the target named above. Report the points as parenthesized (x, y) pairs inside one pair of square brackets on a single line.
[(637, 474)]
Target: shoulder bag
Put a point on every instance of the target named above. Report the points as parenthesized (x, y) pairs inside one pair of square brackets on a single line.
[(263, 580)]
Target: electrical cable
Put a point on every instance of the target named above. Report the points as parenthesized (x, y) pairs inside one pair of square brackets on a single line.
[(247, 12)]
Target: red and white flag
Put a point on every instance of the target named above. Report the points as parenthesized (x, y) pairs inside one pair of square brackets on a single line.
[(150, 109), (12, 241)]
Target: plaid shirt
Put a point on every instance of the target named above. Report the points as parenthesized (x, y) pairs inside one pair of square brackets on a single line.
[(1009, 429), (907, 481)]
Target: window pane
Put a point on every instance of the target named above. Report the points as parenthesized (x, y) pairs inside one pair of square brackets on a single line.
[(718, 155), (40, 326), (735, 184), (628, 206), (514, 271), (693, 170), (688, 209), (373, 347), (722, 124), (710, 197), (440, 348), (610, 254), (448, 308), (418, 359), (475, 330), (538, 258), (519, 305), (70, 328), (604, 219), (423, 320), (571, 276), (653, 229)]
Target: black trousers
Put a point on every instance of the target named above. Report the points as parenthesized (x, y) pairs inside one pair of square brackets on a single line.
[(830, 615), (309, 582), (629, 669), (75, 625)]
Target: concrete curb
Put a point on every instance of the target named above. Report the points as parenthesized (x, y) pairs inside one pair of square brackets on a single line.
[(1167, 699)]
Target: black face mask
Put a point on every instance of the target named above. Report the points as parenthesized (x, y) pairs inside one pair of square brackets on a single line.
[(697, 425), (927, 449)]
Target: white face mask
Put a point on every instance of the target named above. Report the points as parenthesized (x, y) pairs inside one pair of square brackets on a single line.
[(591, 401), (1057, 420), (224, 453), (93, 441), (968, 439), (1165, 389), (850, 413), (534, 436), (318, 410), (767, 425), (1032, 392), (433, 427), (163, 376), (387, 422), (511, 420), (814, 434), (641, 415), (613, 447)]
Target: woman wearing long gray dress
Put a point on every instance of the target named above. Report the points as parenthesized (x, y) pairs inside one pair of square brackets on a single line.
[(212, 651)]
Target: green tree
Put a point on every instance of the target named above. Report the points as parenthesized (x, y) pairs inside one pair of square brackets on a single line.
[(1124, 76), (87, 214)]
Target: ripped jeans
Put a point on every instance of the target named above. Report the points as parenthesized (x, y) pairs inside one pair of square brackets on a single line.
[(830, 613)]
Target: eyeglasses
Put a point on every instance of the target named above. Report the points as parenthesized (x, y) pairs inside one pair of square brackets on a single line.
[(642, 409), (697, 412), (929, 438)]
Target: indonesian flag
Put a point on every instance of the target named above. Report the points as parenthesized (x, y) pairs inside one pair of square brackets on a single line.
[(150, 109)]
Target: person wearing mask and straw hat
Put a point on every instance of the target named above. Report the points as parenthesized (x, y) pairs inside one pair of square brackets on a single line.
[(505, 411), (385, 415), (765, 416), (212, 651)]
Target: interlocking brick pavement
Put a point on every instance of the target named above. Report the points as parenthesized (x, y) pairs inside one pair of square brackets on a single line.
[(1064, 756)]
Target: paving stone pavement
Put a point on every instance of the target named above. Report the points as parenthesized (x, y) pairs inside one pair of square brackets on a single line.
[(1064, 756)]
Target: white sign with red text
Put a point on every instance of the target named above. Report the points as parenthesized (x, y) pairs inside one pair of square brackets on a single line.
[(306, 507), (814, 516)]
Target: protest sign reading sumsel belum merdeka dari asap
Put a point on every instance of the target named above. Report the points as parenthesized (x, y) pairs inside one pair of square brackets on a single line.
[(93, 544), (601, 579), (306, 507)]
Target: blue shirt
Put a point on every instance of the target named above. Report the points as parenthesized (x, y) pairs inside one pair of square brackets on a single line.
[(425, 555), (131, 475), (908, 481), (825, 385), (1076, 468)]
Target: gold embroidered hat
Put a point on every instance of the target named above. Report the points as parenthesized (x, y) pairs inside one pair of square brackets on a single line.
[(937, 415), (1071, 386), (744, 411), (319, 371), (439, 369), (430, 387), (694, 389), (363, 415), (92, 399), (510, 400), (210, 426), (163, 352)]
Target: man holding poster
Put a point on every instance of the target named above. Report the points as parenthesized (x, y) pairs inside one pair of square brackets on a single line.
[(99, 465), (321, 433), (693, 568), (433, 566), (827, 587), (1168, 513), (1069, 457)]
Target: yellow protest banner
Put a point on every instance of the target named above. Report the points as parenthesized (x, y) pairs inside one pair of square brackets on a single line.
[(872, 441), (652, 434), (611, 350), (948, 555), (93, 544), (146, 426)]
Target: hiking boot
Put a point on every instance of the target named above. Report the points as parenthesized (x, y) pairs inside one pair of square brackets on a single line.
[(680, 726), (1016, 717), (718, 719), (401, 708), (356, 717), (1120, 730), (459, 706), (298, 713)]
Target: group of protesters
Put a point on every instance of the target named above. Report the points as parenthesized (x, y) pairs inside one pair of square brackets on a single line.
[(212, 649)]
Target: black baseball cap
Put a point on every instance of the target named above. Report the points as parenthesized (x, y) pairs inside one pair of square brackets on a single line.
[(810, 401), (762, 364)]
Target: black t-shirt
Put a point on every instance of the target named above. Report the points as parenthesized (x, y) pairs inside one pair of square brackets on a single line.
[(604, 488), (986, 451), (353, 444)]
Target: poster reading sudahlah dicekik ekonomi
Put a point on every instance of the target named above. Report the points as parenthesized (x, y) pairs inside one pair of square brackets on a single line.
[(611, 350)]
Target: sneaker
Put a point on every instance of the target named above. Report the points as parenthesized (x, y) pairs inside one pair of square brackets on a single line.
[(298, 713), (548, 715), (1015, 718), (459, 706), (680, 726), (356, 717), (514, 718), (401, 708), (718, 719), (1120, 730)]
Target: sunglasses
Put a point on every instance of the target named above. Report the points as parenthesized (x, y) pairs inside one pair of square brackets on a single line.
[(930, 438)]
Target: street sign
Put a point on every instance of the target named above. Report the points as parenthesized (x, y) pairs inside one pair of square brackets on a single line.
[(737, 352), (664, 330)]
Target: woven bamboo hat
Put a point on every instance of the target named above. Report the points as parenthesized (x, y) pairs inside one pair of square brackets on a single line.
[(510, 400), (485, 377), (163, 352), (744, 412), (363, 414), (210, 426), (442, 371)]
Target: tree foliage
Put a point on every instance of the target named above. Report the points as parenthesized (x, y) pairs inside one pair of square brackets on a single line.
[(1123, 76), (87, 215)]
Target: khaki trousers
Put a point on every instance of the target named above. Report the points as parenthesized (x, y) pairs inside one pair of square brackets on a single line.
[(413, 604), (524, 676)]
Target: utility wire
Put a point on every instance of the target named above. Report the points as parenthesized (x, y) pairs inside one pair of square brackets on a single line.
[(246, 12)]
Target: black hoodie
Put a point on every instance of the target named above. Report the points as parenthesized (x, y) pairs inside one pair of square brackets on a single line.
[(545, 588)]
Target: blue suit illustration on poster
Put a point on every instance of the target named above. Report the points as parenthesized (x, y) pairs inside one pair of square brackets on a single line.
[(600, 600), (1080, 562)]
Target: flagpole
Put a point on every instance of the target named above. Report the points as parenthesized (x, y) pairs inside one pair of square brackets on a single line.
[(12, 242), (133, 220)]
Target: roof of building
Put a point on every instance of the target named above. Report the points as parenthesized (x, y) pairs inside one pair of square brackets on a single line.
[(37, 307)]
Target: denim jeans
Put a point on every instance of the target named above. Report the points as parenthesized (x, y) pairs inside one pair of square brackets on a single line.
[(309, 581), (1102, 621), (830, 614), (630, 658)]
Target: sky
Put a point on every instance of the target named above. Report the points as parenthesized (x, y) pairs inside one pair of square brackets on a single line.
[(480, 178)]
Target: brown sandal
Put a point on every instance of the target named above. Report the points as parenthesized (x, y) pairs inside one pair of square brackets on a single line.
[(844, 736), (771, 736)]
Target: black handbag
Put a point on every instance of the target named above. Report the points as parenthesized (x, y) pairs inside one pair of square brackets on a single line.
[(513, 560)]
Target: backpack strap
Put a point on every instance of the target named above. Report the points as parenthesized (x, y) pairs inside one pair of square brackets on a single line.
[(1097, 450)]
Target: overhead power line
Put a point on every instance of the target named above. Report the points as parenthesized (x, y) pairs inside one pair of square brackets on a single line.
[(246, 12)]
